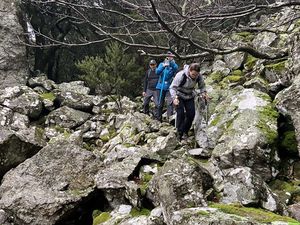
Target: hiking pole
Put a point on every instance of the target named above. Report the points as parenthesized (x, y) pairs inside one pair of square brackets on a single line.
[(206, 110)]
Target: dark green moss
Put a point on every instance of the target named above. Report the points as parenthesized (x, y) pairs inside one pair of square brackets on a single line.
[(266, 115), (259, 215), (216, 76), (49, 96), (277, 67), (250, 62), (103, 217), (135, 212), (289, 142)]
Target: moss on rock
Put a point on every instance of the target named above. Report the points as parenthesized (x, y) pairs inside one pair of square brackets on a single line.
[(258, 215), (250, 62), (277, 67), (216, 76), (135, 212), (49, 96), (103, 217), (266, 115), (289, 142)]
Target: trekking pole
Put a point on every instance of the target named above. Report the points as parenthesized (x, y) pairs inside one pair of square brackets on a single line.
[(206, 110)]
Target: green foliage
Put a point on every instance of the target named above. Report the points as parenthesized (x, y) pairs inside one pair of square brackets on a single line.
[(259, 215), (103, 217), (115, 74)]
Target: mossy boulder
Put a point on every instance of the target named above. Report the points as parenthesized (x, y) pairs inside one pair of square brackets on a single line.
[(243, 130), (259, 215)]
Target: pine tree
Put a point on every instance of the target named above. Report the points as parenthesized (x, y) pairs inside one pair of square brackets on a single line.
[(115, 74)]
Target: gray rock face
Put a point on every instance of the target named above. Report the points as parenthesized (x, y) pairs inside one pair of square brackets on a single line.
[(287, 102), (207, 216), (13, 67), (242, 186), (42, 81), (75, 87), (264, 40), (47, 186), (179, 185), (295, 211), (23, 100), (242, 129), (66, 117), (14, 149), (234, 60), (75, 100)]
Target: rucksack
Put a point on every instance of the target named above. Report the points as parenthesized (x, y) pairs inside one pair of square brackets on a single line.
[(184, 80)]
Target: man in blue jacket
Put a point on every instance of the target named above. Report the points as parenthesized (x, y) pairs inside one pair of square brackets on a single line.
[(166, 71)]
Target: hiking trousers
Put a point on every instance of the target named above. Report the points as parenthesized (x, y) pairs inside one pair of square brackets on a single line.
[(185, 115), (147, 99), (165, 95)]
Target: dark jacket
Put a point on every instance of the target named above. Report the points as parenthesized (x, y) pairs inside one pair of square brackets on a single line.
[(150, 80)]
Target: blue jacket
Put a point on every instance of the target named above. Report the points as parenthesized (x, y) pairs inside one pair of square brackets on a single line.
[(166, 74)]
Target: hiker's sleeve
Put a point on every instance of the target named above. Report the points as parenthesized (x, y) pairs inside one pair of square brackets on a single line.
[(201, 85), (146, 81), (174, 65), (159, 69), (174, 85)]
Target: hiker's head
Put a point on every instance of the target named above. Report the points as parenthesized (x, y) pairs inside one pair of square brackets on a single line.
[(170, 55), (152, 63), (194, 70)]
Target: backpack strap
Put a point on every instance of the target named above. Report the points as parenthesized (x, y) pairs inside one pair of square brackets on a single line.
[(149, 72), (183, 80)]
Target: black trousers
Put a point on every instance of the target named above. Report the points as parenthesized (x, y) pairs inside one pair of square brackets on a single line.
[(147, 99), (185, 115)]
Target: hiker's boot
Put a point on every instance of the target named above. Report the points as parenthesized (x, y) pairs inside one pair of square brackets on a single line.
[(179, 136)]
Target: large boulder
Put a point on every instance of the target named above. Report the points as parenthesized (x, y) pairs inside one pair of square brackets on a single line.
[(287, 102), (208, 216), (66, 117), (14, 149), (23, 100), (241, 185), (179, 184), (243, 130), (13, 67), (47, 187)]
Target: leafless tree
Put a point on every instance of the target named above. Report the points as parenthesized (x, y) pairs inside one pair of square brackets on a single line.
[(182, 26)]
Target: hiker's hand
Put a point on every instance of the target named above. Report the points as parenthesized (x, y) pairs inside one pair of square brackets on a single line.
[(144, 94), (204, 96), (176, 102)]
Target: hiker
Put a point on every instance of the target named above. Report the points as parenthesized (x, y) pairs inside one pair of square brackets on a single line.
[(150, 91), (183, 94), (166, 71)]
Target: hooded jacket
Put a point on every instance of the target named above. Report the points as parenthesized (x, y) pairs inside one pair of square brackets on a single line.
[(166, 74), (186, 91)]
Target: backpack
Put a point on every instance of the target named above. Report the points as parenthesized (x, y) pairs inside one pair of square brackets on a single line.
[(184, 80)]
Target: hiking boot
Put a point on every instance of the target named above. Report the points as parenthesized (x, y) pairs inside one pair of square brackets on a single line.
[(179, 136), (185, 136)]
